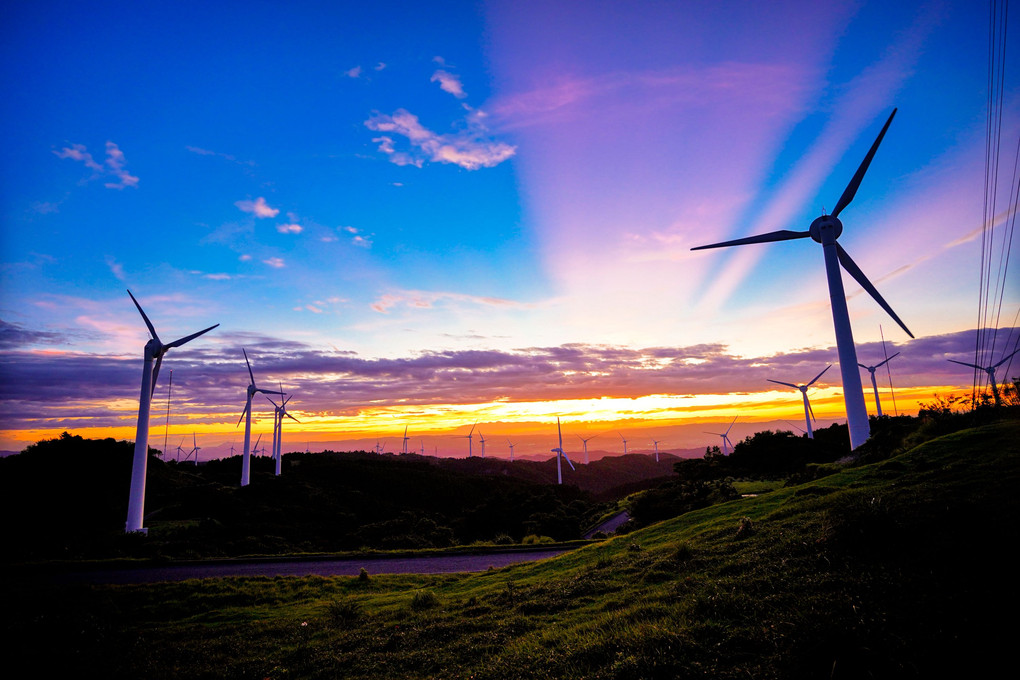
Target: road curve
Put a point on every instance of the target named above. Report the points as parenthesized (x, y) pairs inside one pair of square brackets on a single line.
[(435, 564)]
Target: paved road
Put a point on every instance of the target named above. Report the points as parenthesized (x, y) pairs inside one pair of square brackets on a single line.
[(438, 564), (610, 525)]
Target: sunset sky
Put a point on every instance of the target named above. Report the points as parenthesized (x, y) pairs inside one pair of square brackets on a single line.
[(432, 214)]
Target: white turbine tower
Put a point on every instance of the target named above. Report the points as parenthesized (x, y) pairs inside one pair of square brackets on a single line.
[(481, 440), (246, 417), (511, 449), (154, 350), (874, 383), (726, 436), (656, 443), (406, 438), (585, 443), (624, 442), (560, 455), (990, 370), (825, 230), (808, 411)]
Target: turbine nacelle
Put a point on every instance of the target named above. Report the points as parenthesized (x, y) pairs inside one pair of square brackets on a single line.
[(826, 226)]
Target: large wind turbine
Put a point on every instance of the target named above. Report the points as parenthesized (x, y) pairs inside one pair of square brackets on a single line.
[(726, 435), (808, 411), (154, 350), (278, 414), (874, 383), (246, 417), (560, 454), (585, 443), (990, 370), (825, 230), (470, 436)]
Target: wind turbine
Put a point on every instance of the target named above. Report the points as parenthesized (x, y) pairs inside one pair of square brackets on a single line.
[(874, 384), (255, 451), (624, 443), (585, 443), (279, 413), (194, 450), (825, 230), (990, 370), (560, 454), (246, 417), (470, 437), (405, 439), (180, 447), (808, 411), (726, 435), (656, 443), (154, 350), (481, 440), (511, 449)]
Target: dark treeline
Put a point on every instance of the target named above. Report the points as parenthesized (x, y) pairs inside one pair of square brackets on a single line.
[(67, 498)]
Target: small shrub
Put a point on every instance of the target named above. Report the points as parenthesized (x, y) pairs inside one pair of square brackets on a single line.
[(503, 539), (746, 528), (424, 599), (363, 574), (532, 539), (343, 610), (634, 547)]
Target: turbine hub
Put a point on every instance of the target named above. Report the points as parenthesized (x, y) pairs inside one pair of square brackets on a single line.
[(824, 226)]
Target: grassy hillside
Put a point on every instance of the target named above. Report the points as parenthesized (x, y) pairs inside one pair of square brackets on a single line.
[(897, 569)]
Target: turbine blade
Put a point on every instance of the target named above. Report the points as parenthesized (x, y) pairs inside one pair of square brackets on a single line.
[(980, 368), (259, 389), (291, 417), (731, 425), (780, 382), (1004, 359), (567, 458), (273, 402), (819, 375), (851, 189), (178, 343), (886, 361), (811, 411), (247, 405), (152, 331), (155, 375), (782, 235), (855, 271), (248, 363)]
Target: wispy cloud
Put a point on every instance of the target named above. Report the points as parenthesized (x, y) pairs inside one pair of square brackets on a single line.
[(115, 267), (357, 237), (354, 72), (448, 82), (275, 262), (258, 207), (113, 166), (289, 228), (428, 299), (467, 149)]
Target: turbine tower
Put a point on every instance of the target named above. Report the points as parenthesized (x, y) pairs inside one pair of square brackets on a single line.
[(194, 449), (874, 383), (585, 443), (624, 442), (278, 414), (656, 443), (726, 436), (560, 454), (246, 417), (481, 440), (511, 450), (825, 230), (808, 411), (406, 438), (154, 351), (990, 370)]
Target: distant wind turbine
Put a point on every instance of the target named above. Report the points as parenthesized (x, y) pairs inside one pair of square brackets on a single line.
[(180, 447), (246, 417), (481, 440), (825, 230), (990, 370), (256, 449), (406, 438), (726, 436), (278, 415), (584, 442), (624, 442), (194, 449), (511, 450), (154, 351), (560, 454), (470, 437), (656, 443), (808, 411), (874, 383)]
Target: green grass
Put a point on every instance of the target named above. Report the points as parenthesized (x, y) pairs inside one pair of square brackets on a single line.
[(896, 569)]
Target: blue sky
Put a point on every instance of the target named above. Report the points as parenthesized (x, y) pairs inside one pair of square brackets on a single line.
[(409, 180)]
